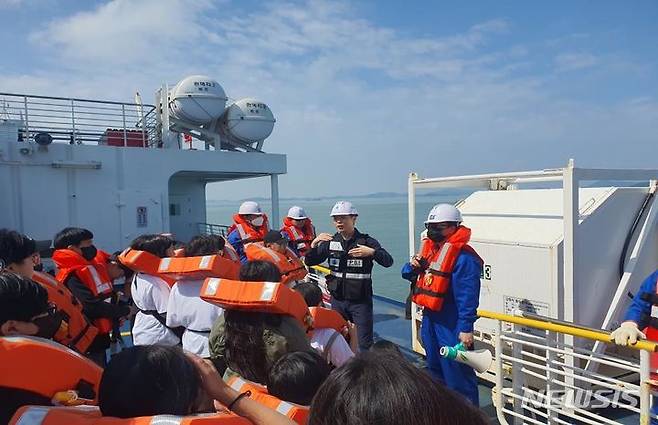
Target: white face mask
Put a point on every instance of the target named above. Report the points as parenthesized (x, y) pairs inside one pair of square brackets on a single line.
[(258, 221)]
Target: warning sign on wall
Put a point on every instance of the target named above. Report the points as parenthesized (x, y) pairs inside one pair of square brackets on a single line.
[(142, 217), (512, 304)]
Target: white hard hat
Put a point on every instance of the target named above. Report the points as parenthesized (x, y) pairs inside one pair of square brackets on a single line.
[(442, 213), (297, 213), (250, 207), (343, 208)]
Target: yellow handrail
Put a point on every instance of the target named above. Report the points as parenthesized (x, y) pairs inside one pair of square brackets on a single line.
[(579, 332), (321, 269)]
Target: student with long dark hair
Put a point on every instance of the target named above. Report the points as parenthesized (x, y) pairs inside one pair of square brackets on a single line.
[(379, 389), (249, 343)]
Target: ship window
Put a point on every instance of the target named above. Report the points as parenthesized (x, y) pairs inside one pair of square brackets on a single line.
[(174, 209)]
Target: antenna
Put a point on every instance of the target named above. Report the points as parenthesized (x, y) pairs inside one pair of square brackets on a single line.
[(140, 109)]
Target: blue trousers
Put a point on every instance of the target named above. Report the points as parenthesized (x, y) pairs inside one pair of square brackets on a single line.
[(454, 375), (359, 313)]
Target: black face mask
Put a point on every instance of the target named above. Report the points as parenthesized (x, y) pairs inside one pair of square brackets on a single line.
[(89, 252), (38, 267), (49, 325), (435, 235)]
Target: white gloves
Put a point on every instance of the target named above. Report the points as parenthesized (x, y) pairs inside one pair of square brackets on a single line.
[(626, 334)]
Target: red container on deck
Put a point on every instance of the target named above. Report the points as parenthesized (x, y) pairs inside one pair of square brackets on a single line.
[(114, 137)]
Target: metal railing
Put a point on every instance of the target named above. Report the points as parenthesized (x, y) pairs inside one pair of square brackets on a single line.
[(81, 121), (212, 229), (542, 378)]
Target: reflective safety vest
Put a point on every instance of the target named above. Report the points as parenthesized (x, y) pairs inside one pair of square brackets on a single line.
[(173, 269), (248, 233), (350, 277), (289, 264), (295, 412), (91, 415), (327, 318), (80, 333), (93, 274), (301, 238), (264, 297), (432, 284), (45, 367)]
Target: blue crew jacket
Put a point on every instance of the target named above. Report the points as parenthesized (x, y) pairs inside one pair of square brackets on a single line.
[(459, 311), (640, 310)]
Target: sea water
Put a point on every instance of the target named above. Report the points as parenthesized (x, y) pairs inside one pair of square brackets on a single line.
[(385, 219)]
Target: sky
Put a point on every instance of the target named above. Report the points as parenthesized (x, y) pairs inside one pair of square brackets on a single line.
[(365, 92)]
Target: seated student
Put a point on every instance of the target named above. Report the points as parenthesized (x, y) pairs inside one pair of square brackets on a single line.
[(368, 389), (387, 347), (151, 296), (186, 309), (292, 268), (249, 343), (24, 310), (328, 342), (296, 377), (162, 380), (83, 270), (20, 255)]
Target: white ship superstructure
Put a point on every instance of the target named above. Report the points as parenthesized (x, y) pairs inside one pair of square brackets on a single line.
[(125, 169)]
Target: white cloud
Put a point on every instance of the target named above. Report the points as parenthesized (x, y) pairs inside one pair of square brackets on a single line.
[(575, 61), (346, 91), (124, 32)]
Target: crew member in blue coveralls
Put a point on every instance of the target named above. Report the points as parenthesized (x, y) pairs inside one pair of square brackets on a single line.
[(643, 313), (351, 256), (446, 274), (249, 225)]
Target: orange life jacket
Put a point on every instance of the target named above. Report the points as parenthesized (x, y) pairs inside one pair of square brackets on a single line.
[(248, 233), (93, 274), (173, 269), (80, 333), (289, 264), (327, 318), (265, 297), (300, 238), (432, 284), (259, 394), (91, 415), (46, 368)]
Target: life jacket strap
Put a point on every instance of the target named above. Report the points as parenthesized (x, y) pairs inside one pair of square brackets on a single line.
[(178, 330), (440, 273), (417, 290)]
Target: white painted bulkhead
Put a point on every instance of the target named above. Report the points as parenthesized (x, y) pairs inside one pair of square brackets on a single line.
[(117, 192)]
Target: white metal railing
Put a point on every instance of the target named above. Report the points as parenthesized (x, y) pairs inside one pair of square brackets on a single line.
[(542, 379), (212, 229), (81, 121)]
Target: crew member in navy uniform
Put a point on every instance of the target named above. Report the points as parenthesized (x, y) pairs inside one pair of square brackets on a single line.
[(351, 255)]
